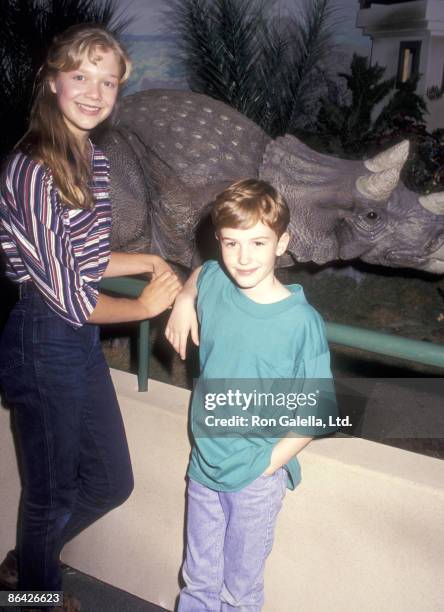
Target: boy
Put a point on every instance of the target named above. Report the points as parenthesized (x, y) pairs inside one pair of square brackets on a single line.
[(251, 327)]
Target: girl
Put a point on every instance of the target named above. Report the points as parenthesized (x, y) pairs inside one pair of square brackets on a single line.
[(54, 231)]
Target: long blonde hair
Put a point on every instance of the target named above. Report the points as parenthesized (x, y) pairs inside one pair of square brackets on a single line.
[(48, 138)]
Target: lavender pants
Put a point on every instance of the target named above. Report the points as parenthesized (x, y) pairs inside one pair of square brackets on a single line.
[(229, 537)]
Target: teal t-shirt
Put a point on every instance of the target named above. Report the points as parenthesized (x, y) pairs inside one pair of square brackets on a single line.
[(243, 339)]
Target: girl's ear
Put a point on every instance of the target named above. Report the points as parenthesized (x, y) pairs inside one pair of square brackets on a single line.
[(282, 244), (52, 85)]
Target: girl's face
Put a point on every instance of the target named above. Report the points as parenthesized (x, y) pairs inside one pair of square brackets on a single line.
[(86, 96)]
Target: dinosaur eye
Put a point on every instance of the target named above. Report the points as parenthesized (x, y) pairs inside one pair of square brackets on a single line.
[(372, 215)]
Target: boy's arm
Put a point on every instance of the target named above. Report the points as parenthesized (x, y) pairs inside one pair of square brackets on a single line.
[(183, 319), (284, 450), (317, 369)]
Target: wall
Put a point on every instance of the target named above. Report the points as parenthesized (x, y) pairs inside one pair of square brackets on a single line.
[(365, 529), (435, 76), (388, 25)]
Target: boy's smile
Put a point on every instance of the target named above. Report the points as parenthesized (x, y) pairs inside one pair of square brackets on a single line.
[(249, 256)]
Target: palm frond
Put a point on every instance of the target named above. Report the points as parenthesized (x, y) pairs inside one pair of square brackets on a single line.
[(312, 40), (274, 105), (219, 48), (404, 106), (240, 52)]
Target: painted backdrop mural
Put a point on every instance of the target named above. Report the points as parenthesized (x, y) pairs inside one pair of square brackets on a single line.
[(153, 47)]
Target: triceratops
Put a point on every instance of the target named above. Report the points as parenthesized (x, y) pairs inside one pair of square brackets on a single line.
[(172, 151)]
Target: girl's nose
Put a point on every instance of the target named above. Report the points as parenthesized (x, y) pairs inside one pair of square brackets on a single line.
[(93, 91)]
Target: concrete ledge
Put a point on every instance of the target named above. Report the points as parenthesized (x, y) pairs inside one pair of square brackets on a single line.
[(364, 530)]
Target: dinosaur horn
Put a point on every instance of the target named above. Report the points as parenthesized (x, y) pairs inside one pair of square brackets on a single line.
[(395, 157), (433, 202), (378, 186)]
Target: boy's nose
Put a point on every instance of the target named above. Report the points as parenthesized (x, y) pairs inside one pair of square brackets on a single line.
[(244, 255)]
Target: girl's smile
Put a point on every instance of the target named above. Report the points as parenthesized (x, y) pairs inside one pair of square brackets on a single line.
[(89, 110)]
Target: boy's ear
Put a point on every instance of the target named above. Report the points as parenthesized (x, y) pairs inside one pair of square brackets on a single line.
[(216, 236), (282, 244)]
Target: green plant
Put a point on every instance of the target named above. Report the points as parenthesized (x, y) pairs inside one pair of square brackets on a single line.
[(404, 110), (358, 127), (348, 125), (424, 171), (243, 53), (434, 92)]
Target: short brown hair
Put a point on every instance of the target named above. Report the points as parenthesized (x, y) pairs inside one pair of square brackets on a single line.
[(246, 202)]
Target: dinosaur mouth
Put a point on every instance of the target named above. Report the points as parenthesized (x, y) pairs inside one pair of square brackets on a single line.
[(404, 258), (432, 262)]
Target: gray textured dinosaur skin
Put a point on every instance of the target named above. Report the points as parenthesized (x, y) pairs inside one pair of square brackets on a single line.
[(171, 152)]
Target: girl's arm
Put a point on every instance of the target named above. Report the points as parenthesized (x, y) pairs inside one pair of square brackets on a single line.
[(183, 319), (121, 264), (157, 296), (46, 252)]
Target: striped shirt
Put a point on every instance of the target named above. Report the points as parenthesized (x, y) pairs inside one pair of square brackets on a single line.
[(63, 251)]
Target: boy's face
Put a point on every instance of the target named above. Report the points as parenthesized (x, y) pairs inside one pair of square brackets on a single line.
[(249, 255)]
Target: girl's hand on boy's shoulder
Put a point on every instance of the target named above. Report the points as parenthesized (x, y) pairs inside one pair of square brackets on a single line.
[(182, 321)]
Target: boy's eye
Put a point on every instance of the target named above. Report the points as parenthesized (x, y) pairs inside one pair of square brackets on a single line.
[(78, 77), (259, 243), (230, 244), (109, 84)]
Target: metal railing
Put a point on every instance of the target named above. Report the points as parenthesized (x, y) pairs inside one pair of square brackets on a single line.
[(132, 287), (386, 344), (345, 335)]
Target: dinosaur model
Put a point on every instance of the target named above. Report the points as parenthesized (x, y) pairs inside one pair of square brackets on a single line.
[(172, 151)]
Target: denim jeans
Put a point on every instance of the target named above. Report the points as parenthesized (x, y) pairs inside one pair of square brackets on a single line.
[(72, 450), (229, 537)]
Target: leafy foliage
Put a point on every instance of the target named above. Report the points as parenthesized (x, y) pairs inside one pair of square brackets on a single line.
[(26, 30), (221, 54), (405, 109), (240, 52), (348, 125), (353, 126), (434, 92), (424, 171)]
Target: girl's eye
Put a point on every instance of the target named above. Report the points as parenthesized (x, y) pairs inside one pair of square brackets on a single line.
[(78, 77), (109, 84)]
